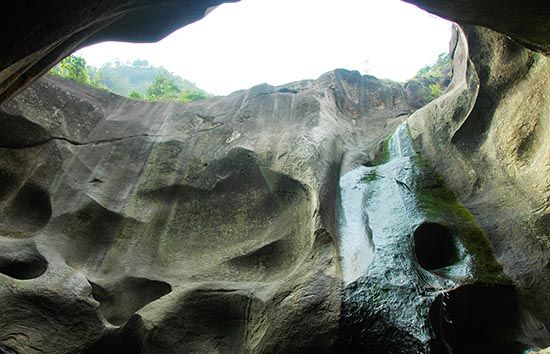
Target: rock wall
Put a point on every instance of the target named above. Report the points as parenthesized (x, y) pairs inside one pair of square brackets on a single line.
[(424, 280), (229, 225), (526, 22), (281, 219), (206, 227), (488, 136)]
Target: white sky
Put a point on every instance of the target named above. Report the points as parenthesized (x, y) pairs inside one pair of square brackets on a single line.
[(243, 44)]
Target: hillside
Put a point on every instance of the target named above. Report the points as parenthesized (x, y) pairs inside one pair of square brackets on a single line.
[(125, 78), (137, 80), (430, 82)]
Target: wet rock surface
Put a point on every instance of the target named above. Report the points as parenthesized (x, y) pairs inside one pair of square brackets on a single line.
[(206, 227), (430, 274)]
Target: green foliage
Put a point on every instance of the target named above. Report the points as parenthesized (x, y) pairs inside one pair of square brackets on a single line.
[(74, 68), (138, 76), (163, 88), (138, 80), (188, 96), (136, 95), (430, 81), (96, 78), (139, 63), (423, 71), (382, 155), (435, 90)]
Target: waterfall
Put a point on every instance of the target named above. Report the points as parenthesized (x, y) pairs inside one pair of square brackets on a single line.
[(356, 247), (401, 143), (370, 205)]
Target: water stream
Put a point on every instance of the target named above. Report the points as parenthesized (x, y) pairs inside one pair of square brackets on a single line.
[(370, 206), (405, 241)]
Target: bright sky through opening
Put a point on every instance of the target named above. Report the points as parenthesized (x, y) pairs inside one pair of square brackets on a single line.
[(243, 44)]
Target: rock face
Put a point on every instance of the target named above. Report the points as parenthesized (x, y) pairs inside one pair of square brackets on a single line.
[(488, 136), (429, 272), (526, 22), (206, 227), (277, 219), (311, 217)]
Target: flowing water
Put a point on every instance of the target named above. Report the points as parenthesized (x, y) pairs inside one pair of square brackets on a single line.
[(370, 206)]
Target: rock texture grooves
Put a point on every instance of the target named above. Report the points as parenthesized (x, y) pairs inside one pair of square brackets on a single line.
[(142, 227), (488, 137), (161, 227)]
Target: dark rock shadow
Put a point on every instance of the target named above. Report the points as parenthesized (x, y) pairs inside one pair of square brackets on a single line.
[(121, 299)]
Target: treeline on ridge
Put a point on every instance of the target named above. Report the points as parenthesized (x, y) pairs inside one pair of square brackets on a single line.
[(137, 80)]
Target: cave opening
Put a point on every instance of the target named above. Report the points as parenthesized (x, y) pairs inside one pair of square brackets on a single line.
[(279, 42), (476, 318), (434, 246), (469, 314)]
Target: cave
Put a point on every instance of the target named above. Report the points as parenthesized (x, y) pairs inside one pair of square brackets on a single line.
[(434, 246), (486, 315), (215, 227)]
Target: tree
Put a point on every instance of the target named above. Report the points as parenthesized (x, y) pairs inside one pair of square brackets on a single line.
[(140, 63), (131, 80), (435, 91), (188, 96), (424, 71), (135, 95), (73, 67), (430, 81), (163, 88), (96, 78)]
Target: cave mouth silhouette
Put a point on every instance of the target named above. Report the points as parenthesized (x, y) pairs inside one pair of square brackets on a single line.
[(372, 41)]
